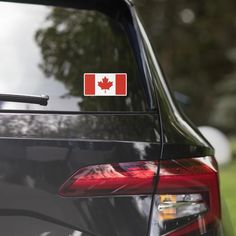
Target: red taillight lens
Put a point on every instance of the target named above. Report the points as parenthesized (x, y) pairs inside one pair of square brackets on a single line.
[(111, 179), (187, 198)]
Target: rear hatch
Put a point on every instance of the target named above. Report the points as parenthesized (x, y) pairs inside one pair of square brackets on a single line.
[(83, 165)]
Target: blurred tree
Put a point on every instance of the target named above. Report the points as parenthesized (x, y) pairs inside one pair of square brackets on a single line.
[(224, 112), (195, 40)]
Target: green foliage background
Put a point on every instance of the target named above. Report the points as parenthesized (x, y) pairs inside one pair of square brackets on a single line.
[(196, 44)]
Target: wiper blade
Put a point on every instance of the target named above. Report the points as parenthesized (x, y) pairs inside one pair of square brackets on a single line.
[(34, 99)]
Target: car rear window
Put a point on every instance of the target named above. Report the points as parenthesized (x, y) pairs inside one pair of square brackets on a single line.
[(47, 50)]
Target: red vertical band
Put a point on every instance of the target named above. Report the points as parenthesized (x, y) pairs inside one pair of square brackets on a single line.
[(89, 84), (121, 84)]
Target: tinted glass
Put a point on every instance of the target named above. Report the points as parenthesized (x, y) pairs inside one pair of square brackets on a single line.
[(47, 50)]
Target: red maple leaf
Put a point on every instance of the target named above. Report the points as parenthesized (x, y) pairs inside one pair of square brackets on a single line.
[(105, 84)]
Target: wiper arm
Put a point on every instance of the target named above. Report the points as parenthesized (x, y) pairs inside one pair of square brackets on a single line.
[(34, 99)]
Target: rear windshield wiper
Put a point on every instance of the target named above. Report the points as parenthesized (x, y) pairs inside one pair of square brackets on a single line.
[(34, 99)]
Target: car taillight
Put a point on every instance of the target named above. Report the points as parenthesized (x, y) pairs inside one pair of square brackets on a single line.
[(111, 179), (187, 200)]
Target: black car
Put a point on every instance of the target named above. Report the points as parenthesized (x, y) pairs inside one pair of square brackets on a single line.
[(77, 165)]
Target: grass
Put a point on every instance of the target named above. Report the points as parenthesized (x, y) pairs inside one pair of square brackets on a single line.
[(228, 188)]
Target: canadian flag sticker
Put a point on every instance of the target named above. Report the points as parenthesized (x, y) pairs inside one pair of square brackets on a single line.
[(105, 84)]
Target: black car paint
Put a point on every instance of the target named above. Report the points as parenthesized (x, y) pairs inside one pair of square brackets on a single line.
[(34, 163)]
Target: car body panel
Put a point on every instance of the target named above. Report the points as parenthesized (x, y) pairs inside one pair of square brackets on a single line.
[(39, 152)]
